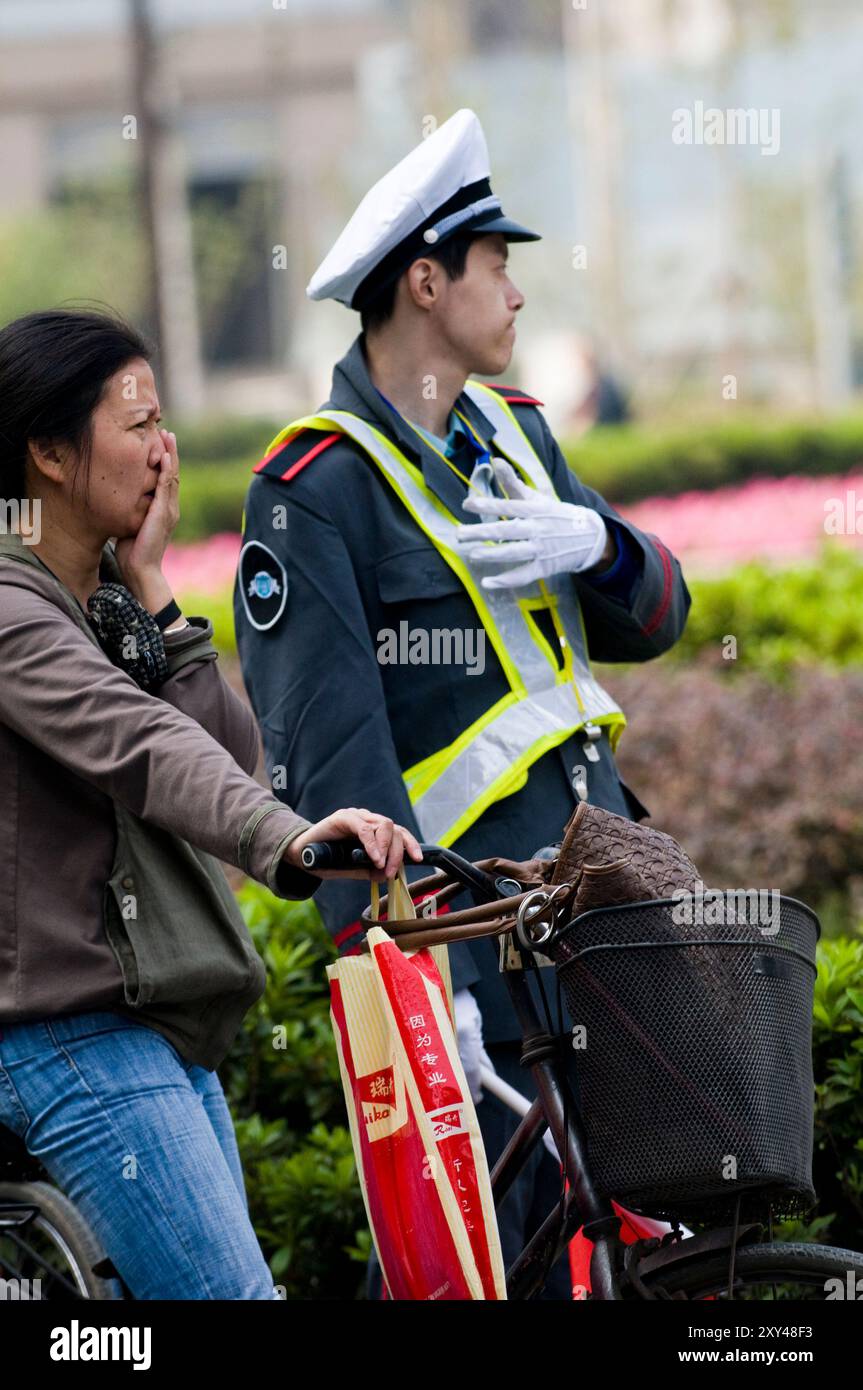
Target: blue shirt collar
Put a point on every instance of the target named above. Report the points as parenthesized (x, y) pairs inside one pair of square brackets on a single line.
[(455, 439)]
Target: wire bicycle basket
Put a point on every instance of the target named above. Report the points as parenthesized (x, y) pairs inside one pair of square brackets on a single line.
[(693, 1053)]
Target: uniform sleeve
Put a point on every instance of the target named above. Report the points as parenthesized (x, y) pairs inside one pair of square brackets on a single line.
[(315, 684), (618, 579), (196, 686), (651, 618), (61, 693)]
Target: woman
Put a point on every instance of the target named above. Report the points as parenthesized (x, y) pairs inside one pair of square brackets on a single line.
[(125, 966)]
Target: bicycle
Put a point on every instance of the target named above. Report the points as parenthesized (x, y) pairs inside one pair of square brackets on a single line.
[(41, 1230), (724, 1261), (47, 1249)]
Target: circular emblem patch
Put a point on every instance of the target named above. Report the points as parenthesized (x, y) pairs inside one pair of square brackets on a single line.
[(263, 585)]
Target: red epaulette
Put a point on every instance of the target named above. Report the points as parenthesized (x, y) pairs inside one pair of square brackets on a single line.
[(512, 395), (293, 454)]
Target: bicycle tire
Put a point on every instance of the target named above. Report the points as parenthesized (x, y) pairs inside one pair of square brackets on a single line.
[(59, 1219), (776, 1263)]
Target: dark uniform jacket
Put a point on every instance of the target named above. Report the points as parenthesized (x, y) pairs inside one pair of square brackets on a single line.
[(331, 558)]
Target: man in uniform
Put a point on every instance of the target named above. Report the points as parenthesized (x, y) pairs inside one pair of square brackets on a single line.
[(423, 583)]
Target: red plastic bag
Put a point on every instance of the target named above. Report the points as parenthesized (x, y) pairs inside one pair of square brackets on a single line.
[(417, 1141)]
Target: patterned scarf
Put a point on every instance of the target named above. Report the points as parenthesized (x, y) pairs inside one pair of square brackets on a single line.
[(128, 634)]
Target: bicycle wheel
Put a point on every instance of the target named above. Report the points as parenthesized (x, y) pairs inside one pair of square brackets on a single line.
[(772, 1271), (56, 1247)]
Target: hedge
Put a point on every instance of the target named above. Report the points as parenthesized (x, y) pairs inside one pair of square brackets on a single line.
[(625, 463), (629, 462), (212, 498), (781, 619), (837, 1055), (758, 779), (230, 439)]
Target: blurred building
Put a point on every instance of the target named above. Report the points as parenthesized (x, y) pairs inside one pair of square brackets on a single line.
[(685, 265), (264, 98)]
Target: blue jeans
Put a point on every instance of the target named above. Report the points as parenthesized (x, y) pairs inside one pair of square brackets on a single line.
[(143, 1144)]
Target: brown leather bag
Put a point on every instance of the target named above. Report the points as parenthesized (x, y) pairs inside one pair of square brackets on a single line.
[(610, 861), (606, 859), (655, 864)]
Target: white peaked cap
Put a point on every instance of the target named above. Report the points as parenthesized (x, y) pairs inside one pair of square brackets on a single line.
[(440, 188)]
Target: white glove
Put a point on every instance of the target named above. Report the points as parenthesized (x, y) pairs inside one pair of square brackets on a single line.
[(468, 1027), (546, 536)]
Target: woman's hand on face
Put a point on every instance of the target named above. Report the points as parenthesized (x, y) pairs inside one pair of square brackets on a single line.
[(384, 842), (140, 557)]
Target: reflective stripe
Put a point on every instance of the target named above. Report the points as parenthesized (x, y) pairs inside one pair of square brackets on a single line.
[(469, 776), (547, 702), (509, 437)]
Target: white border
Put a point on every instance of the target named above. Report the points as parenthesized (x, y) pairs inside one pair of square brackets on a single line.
[(261, 627)]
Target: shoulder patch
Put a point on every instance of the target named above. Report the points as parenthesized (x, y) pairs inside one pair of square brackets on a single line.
[(263, 585), (512, 395), (295, 453)]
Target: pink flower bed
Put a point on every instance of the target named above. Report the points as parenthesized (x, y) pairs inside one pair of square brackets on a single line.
[(776, 519), (203, 567), (780, 520)]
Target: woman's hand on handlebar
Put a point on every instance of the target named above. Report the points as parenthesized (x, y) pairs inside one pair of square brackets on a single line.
[(384, 842)]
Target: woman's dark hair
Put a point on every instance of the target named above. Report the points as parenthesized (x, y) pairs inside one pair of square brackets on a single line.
[(452, 255), (54, 367)]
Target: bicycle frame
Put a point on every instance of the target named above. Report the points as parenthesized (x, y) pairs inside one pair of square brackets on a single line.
[(555, 1108)]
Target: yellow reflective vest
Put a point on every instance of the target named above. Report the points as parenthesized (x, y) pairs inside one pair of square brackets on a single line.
[(551, 694)]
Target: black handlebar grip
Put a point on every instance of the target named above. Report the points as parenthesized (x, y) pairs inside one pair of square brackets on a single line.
[(336, 854)]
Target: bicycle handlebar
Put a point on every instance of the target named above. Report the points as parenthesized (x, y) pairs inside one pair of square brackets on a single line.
[(349, 854)]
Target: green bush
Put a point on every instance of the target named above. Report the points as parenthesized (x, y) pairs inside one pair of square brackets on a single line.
[(226, 441), (629, 462), (217, 459), (811, 615), (212, 498), (837, 1051), (219, 608), (625, 463), (305, 1204)]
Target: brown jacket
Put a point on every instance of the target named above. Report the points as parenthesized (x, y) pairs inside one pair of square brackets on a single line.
[(116, 805)]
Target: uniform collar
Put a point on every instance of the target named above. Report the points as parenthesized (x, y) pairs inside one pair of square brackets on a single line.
[(353, 390)]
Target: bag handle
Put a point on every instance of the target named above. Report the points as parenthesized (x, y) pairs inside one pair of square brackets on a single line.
[(397, 893)]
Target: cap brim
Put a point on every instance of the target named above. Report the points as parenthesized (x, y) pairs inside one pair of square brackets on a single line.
[(503, 226)]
